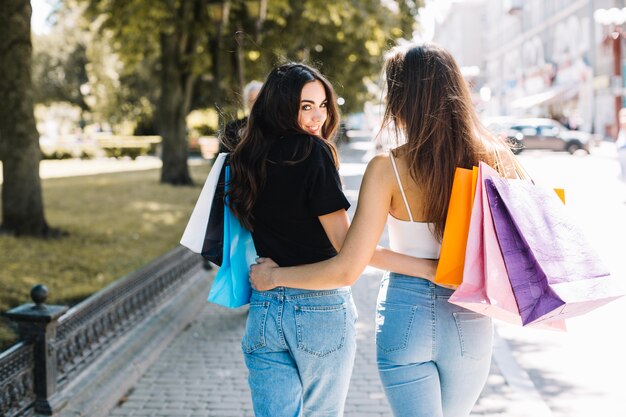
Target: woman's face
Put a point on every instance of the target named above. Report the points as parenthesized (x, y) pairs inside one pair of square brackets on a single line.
[(313, 108)]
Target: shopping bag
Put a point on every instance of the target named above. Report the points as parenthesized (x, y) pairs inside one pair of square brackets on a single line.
[(553, 271), (203, 233), (213, 246), (452, 255), (231, 286), (485, 288)]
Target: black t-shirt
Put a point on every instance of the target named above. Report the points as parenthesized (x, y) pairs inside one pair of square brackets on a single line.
[(286, 224)]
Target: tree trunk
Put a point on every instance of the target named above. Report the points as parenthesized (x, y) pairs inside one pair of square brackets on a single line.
[(22, 202), (240, 58), (216, 44), (260, 20), (178, 50), (173, 109)]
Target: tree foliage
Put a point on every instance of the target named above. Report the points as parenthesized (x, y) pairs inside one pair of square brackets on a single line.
[(242, 40), (346, 39), (60, 59), (178, 55)]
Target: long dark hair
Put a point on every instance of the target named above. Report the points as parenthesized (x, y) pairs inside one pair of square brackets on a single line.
[(428, 102), (274, 114)]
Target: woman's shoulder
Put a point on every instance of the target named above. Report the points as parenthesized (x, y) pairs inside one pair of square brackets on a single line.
[(382, 161), (299, 136), (293, 142), (297, 139), (316, 146), (380, 166), (302, 148)]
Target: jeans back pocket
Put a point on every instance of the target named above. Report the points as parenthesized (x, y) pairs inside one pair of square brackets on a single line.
[(254, 335), (393, 326), (321, 330), (475, 334)]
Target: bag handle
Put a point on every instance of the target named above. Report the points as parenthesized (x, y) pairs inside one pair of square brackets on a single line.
[(501, 167)]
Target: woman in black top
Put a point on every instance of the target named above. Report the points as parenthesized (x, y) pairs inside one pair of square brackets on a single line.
[(299, 345)]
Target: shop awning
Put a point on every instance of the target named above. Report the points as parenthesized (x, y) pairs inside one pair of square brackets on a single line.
[(550, 96)]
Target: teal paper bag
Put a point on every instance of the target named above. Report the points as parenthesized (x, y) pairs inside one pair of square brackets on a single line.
[(231, 286)]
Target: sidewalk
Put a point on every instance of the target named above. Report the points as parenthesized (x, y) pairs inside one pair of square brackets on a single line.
[(202, 374)]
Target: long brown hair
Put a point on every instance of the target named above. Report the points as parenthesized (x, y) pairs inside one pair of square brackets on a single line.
[(429, 104), (274, 114)]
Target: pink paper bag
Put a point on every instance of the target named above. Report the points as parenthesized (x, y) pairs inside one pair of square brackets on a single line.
[(485, 288)]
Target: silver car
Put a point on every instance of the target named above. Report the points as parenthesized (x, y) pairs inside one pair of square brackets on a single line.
[(540, 133)]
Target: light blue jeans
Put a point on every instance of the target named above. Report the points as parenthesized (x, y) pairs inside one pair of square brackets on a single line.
[(433, 356), (299, 347)]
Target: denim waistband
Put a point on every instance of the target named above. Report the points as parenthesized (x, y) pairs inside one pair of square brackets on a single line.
[(286, 293), (418, 283)]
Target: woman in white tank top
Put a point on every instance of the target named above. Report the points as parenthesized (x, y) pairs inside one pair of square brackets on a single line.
[(433, 356)]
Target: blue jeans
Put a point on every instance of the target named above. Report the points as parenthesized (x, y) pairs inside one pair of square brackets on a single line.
[(299, 347), (433, 356)]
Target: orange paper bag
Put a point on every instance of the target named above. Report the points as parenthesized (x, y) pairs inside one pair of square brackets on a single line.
[(452, 255), (561, 193)]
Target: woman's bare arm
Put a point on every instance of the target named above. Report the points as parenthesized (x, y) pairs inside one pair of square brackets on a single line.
[(359, 246), (336, 226)]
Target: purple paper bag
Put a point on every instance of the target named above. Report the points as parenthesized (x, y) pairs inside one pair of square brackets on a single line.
[(554, 272)]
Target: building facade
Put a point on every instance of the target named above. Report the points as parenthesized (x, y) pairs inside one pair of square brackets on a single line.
[(542, 58)]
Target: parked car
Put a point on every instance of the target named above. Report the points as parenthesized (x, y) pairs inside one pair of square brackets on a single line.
[(544, 133), (549, 134)]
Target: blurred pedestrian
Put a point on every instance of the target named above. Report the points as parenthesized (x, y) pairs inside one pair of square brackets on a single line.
[(231, 135), (620, 144), (433, 356), (298, 345)]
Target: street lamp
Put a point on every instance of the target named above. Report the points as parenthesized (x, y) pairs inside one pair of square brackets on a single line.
[(614, 18)]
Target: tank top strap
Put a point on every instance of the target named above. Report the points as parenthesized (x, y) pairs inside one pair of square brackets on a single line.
[(395, 169)]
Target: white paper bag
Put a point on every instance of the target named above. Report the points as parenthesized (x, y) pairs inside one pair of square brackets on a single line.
[(193, 237)]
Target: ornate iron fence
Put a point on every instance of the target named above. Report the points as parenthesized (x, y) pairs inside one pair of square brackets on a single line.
[(58, 344), (17, 395)]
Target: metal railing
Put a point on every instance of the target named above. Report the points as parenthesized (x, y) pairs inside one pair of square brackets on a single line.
[(57, 344), (17, 395)]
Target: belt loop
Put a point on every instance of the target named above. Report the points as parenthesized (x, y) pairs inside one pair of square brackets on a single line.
[(433, 288)]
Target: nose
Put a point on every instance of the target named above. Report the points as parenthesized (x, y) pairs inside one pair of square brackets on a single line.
[(318, 115)]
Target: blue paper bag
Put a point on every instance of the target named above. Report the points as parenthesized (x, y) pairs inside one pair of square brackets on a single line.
[(231, 286)]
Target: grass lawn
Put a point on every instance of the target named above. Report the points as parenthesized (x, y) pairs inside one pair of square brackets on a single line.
[(116, 224)]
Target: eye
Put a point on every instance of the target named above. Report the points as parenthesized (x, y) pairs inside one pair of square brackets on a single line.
[(324, 105), (306, 107)]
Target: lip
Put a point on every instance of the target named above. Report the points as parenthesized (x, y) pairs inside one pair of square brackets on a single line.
[(313, 129)]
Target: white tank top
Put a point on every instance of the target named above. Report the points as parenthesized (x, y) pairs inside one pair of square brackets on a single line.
[(410, 237)]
